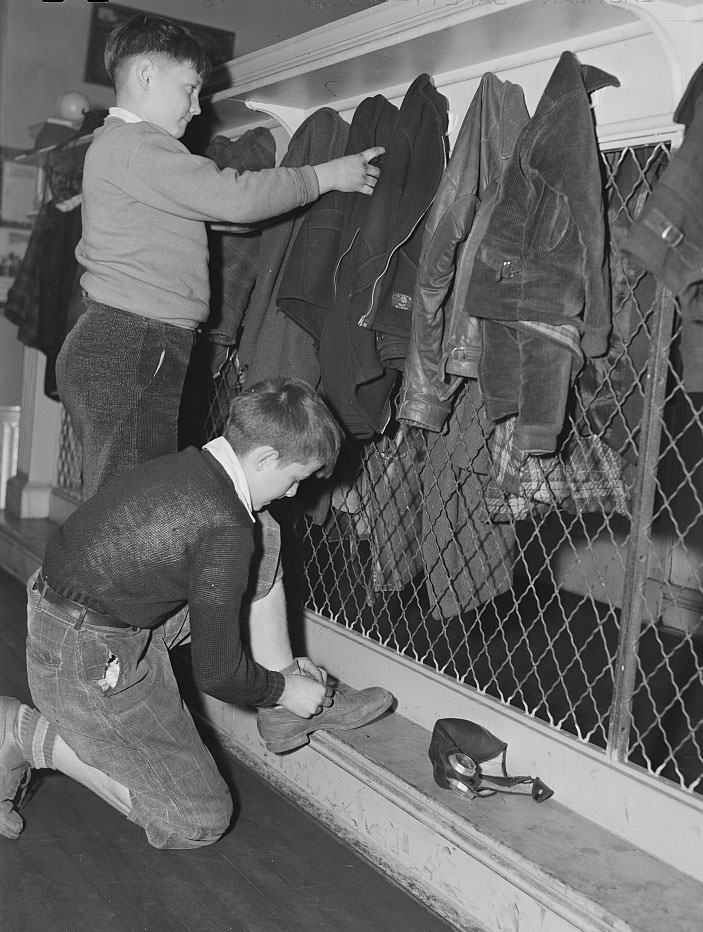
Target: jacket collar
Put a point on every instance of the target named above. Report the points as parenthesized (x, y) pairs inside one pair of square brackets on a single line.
[(692, 98), (569, 75)]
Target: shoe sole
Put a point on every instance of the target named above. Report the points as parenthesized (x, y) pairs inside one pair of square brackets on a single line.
[(11, 822), (300, 740)]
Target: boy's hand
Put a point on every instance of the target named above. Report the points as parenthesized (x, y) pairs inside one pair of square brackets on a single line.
[(308, 668), (305, 696), (352, 173)]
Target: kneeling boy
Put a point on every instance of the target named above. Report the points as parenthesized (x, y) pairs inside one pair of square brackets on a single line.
[(162, 555)]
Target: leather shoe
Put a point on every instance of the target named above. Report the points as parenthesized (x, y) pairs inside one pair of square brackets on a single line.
[(284, 731), (14, 769)]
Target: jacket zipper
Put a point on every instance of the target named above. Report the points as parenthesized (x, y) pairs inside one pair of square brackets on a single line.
[(363, 320), (339, 262)]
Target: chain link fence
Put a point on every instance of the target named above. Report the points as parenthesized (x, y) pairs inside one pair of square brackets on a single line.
[(69, 468), (567, 587)]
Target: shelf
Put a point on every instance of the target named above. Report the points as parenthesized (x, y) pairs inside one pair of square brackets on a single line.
[(653, 47), (389, 45)]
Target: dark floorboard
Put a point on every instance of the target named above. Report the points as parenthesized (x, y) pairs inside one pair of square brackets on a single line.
[(81, 867)]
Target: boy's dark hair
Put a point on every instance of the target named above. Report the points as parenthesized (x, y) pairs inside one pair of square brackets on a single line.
[(288, 415), (152, 35)]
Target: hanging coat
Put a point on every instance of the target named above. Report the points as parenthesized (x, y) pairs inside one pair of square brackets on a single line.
[(271, 344), (445, 343), (541, 276), (376, 272), (667, 237), (234, 256)]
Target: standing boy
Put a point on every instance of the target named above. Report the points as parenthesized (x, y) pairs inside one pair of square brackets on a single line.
[(159, 556), (145, 203)]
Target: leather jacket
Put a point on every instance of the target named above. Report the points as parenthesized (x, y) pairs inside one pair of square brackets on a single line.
[(445, 341)]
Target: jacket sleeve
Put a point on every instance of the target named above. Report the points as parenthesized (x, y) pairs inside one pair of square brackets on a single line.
[(425, 394)]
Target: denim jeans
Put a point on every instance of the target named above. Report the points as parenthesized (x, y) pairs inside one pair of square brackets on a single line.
[(113, 697), (120, 377)]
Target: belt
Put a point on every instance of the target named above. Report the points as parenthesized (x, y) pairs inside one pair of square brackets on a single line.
[(81, 613)]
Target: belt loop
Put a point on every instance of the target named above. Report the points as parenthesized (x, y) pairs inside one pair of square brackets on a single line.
[(40, 587), (81, 618)]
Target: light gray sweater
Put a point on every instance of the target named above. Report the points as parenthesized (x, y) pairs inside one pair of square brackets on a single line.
[(146, 199)]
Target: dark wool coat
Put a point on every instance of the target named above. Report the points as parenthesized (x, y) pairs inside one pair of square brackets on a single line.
[(272, 345), (377, 268)]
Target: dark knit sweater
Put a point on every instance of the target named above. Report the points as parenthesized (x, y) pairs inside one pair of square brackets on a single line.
[(169, 532)]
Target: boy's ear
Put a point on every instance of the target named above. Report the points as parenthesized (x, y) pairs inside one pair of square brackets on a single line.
[(265, 457), (143, 70)]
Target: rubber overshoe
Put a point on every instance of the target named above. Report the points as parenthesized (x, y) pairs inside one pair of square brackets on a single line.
[(14, 769), (284, 731)]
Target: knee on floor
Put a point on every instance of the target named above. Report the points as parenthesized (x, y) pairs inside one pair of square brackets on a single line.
[(204, 830)]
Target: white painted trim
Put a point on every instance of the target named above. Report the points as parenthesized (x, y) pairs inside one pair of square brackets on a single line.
[(17, 556), (289, 118), (29, 491), (467, 877), (497, 865), (386, 25), (658, 127), (27, 499), (543, 53)]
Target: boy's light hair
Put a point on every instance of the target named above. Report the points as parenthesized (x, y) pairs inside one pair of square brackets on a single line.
[(152, 35), (288, 415)]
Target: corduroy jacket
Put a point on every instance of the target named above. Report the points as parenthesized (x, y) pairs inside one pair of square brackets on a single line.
[(543, 257), (541, 277)]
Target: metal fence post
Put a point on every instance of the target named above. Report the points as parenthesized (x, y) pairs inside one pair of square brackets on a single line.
[(636, 566)]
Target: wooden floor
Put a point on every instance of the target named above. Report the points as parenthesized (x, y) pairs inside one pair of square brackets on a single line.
[(81, 867)]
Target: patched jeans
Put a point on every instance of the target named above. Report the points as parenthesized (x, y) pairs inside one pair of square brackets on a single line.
[(120, 377), (112, 695)]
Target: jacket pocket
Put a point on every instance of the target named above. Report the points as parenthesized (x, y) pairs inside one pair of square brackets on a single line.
[(551, 223)]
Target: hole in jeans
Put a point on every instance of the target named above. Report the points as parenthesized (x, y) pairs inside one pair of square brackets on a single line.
[(112, 673)]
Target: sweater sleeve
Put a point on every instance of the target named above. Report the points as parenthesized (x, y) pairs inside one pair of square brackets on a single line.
[(161, 173), (219, 578)]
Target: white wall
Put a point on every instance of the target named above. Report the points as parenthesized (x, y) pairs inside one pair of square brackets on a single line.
[(43, 54), (43, 45), (10, 364)]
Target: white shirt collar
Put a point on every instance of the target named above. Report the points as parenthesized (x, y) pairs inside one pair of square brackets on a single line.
[(227, 458), (125, 115)]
